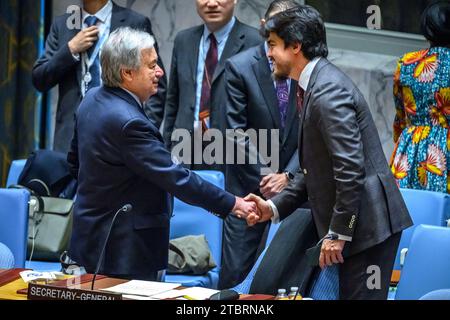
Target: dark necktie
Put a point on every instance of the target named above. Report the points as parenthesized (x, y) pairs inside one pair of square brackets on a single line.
[(94, 70), (300, 98), (210, 66), (283, 99)]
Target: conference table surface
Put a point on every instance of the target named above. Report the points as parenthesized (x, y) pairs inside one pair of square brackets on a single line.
[(16, 289)]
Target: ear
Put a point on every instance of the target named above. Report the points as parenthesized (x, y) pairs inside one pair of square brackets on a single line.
[(297, 47), (127, 75), (262, 22)]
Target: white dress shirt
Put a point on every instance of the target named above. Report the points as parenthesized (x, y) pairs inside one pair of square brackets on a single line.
[(222, 38)]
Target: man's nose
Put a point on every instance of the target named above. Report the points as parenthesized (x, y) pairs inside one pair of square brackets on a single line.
[(212, 3), (159, 72)]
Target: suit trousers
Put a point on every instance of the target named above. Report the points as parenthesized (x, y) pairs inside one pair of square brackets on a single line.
[(367, 275)]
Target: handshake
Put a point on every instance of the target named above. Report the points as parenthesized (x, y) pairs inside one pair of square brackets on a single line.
[(252, 208)]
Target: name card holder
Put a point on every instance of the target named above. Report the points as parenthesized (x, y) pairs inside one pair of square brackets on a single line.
[(47, 292)]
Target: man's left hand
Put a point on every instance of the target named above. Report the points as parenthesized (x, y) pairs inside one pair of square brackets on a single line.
[(331, 253)]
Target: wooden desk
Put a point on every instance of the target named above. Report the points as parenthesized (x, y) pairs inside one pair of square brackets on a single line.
[(10, 290)]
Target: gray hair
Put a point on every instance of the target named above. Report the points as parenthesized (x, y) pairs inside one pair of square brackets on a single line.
[(121, 51)]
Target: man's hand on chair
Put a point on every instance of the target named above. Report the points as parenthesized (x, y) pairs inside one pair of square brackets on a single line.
[(331, 253)]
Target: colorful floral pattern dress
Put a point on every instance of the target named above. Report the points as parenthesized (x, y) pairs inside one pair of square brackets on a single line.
[(421, 157)]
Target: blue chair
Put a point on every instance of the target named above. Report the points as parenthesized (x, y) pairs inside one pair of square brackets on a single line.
[(6, 257), (14, 217), (14, 223), (425, 207), (190, 220), (437, 295), (427, 263), (326, 286), (14, 171)]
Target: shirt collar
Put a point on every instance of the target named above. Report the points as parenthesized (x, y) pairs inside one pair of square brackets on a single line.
[(101, 14), (222, 33), (305, 76), (135, 97)]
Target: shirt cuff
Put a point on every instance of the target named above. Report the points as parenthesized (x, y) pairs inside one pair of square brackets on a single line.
[(340, 236), (276, 216), (76, 56)]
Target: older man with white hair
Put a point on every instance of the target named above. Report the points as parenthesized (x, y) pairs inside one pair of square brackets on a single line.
[(118, 157)]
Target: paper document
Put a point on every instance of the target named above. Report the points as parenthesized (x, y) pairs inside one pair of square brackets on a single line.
[(132, 297), (30, 275), (142, 288), (194, 293)]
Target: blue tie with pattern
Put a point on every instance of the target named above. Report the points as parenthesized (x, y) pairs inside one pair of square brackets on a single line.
[(94, 70)]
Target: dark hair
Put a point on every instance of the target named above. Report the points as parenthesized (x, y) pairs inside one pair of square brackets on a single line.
[(279, 5), (435, 24), (301, 24)]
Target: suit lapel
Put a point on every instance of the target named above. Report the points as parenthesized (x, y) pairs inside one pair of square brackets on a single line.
[(233, 45), (193, 54), (265, 81), (312, 81), (292, 111)]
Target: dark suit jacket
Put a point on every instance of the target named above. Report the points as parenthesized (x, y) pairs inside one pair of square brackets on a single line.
[(58, 67), (345, 174), (252, 104), (180, 104), (122, 159)]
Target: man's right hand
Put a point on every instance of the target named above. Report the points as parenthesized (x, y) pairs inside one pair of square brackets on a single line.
[(265, 212), (83, 40)]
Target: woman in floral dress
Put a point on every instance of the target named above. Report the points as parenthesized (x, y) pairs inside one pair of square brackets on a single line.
[(421, 159)]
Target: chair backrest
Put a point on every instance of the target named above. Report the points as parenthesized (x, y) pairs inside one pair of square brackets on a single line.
[(14, 171), (425, 207), (190, 220), (14, 222), (437, 295), (427, 263), (272, 231), (6, 257)]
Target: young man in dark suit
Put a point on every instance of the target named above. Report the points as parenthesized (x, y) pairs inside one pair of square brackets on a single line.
[(71, 60), (197, 93), (256, 101), (357, 207), (118, 157)]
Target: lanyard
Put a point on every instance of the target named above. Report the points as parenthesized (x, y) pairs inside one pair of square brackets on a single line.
[(87, 62)]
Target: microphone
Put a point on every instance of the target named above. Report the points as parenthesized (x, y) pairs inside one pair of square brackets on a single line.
[(126, 208), (225, 295)]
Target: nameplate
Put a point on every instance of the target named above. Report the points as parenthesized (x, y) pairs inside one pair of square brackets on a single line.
[(46, 292)]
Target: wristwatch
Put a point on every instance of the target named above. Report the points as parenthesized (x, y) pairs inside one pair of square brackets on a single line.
[(289, 175), (331, 236)]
